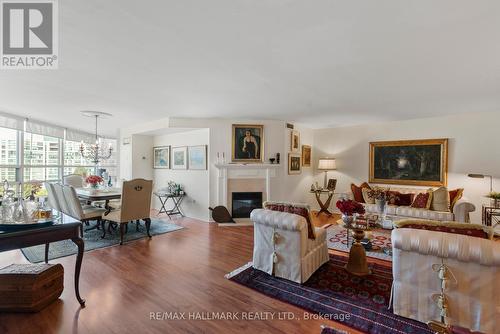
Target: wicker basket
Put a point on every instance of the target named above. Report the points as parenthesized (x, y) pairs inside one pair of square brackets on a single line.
[(30, 287)]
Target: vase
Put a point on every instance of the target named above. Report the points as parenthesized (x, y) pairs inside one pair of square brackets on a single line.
[(495, 202), (381, 205), (348, 220)]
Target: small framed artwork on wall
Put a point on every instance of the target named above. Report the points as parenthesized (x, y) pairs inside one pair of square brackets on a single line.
[(306, 156), (294, 164), (197, 157), (179, 157), (161, 156), (295, 141)]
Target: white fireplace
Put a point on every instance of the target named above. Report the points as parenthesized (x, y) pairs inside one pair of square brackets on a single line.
[(244, 178)]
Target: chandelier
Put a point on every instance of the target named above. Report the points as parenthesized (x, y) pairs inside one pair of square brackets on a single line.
[(94, 152)]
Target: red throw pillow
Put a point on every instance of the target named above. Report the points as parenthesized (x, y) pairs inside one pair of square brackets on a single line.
[(357, 192), (422, 201), (404, 199), (455, 195)]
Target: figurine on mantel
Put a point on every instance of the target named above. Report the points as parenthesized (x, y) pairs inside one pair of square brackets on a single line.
[(278, 158)]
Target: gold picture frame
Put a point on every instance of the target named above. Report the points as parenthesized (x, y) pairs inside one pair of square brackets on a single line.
[(422, 162), (247, 150), (306, 156), (295, 141)]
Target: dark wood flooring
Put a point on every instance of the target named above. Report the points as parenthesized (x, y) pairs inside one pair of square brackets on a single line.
[(181, 271)]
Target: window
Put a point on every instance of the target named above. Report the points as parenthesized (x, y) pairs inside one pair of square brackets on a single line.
[(43, 152), (9, 160)]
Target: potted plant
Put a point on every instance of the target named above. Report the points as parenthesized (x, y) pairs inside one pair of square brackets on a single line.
[(381, 197), (348, 208), (93, 181), (495, 199)]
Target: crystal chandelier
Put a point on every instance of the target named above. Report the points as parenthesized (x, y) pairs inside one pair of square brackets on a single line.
[(94, 152)]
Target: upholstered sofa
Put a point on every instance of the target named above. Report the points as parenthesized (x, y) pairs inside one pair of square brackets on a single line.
[(459, 211), (286, 245), (468, 261)]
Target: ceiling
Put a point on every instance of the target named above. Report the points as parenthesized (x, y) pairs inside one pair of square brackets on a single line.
[(322, 63)]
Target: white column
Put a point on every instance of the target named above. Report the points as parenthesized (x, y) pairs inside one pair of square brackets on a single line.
[(268, 184), (224, 187)]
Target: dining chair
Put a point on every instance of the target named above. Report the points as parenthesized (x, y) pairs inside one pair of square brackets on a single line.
[(52, 200), (135, 206), (79, 212), (74, 180)]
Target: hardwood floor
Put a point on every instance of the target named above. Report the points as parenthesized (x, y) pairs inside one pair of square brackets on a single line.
[(181, 271)]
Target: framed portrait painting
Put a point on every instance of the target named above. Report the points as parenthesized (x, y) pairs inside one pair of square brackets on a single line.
[(294, 163), (306, 156), (409, 162), (295, 141), (197, 157), (161, 157), (179, 157), (248, 143)]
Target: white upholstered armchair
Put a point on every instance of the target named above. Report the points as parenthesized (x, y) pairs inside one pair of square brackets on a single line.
[(472, 278), (282, 247)]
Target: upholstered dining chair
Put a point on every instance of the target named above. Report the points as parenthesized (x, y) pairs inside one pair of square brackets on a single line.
[(136, 205), (52, 200), (74, 180), (71, 206)]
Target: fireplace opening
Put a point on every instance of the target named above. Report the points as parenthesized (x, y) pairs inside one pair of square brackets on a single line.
[(244, 202)]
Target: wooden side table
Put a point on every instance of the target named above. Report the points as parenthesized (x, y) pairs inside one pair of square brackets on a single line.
[(491, 217), (326, 204)]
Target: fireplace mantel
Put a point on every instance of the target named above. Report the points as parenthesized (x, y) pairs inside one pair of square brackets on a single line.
[(229, 171)]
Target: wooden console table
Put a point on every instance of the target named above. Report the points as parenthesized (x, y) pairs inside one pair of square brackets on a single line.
[(63, 229)]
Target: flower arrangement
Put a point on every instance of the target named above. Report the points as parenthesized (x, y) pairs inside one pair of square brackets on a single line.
[(382, 194), (349, 207), (93, 180), (494, 195)]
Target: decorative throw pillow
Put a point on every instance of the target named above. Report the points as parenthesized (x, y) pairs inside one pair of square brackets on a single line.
[(422, 201), (455, 195), (404, 199), (367, 199), (357, 192), (440, 200)]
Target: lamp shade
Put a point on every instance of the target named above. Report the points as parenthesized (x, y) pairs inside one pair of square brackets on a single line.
[(327, 164)]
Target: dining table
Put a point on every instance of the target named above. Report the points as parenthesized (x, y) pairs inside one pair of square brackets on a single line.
[(60, 227), (99, 195)]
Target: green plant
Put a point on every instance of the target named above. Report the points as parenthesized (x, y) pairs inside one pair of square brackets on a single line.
[(494, 195)]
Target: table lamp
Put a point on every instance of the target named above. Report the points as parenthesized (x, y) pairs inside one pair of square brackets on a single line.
[(482, 176), (326, 164)]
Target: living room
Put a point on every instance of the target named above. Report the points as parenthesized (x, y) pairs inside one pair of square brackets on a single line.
[(274, 167)]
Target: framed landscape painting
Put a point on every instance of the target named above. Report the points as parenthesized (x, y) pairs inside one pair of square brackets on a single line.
[(306, 156), (248, 143), (294, 164), (197, 157), (161, 157), (410, 162), (179, 157)]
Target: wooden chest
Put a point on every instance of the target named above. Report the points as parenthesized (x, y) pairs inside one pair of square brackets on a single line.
[(30, 287)]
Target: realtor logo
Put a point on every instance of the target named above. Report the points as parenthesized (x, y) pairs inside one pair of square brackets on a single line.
[(29, 34)]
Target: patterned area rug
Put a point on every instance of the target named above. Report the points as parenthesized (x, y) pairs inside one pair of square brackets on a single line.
[(93, 240), (358, 302), (336, 237)]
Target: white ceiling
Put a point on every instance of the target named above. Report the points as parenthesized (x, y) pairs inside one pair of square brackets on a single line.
[(322, 63)]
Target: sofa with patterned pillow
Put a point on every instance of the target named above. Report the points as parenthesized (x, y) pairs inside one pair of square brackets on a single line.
[(440, 204)]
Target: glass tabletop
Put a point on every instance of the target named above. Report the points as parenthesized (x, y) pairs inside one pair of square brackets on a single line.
[(57, 219)]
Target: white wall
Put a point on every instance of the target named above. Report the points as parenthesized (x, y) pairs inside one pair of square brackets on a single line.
[(473, 148), (195, 182)]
